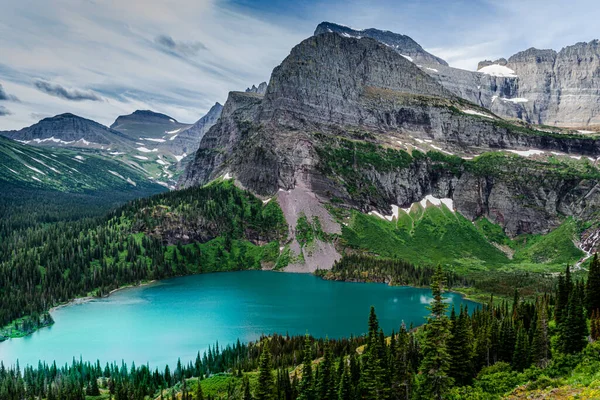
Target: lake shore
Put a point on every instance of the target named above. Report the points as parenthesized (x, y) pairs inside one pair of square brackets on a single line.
[(86, 299), (15, 333)]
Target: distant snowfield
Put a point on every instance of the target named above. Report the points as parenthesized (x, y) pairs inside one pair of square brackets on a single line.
[(515, 99), (116, 174), (527, 153), (498, 70), (181, 157), (172, 132), (141, 157), (585, 132), (34, 169), (473, 112), (429, 199), (409, 58), (146, 150), (154, 140)]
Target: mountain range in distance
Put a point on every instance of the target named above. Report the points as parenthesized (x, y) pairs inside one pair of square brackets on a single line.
[(370, 121), (154, 144)]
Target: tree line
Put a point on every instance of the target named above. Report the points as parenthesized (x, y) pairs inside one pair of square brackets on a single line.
[(43, 264)]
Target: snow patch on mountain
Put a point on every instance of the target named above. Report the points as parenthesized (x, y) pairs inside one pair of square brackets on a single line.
[(527, 153), (473, 112), (498, 70)]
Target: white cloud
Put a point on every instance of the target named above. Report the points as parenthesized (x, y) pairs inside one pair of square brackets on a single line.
[(179, 57), (111, 48)]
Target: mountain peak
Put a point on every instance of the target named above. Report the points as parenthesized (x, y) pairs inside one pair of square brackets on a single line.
[(261, 89), (402, 44), (142, 117)]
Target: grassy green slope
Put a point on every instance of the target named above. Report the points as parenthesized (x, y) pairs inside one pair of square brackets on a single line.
[(67, 171), (437, 235)]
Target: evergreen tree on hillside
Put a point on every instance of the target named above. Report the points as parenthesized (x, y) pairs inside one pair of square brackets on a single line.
[(401, 372), (565, 287), (326, 383), (593, 286), (373, 377), (265, 386), (460, 348), (573, 332), (246, 395), (345, 391), (540, 346), (521, 354), (435, 379), (306, 390)]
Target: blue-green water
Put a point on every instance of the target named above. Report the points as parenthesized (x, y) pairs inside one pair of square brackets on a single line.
[(178, 317)]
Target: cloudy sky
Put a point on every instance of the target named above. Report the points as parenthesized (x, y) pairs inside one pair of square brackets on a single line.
[(104, 58)]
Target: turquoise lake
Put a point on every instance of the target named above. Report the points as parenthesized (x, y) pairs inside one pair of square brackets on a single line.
[(178, 317)]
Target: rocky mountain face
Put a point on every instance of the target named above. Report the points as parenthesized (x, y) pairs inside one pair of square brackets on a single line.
[(350, 119), (68, 130), (261, 89), (146, 124), (537, 86), (187, 140), (401, 43)]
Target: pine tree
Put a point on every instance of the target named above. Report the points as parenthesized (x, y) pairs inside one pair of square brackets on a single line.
[(265, 385), (595, 325), (573, 331), (521, 354), (306, 390), (435, 366), (373, 378), (94, 390), (540, 346), (246, 395), (345, 388), (401, 369), (199, 395), (326, 383), (460, 348), (593, 286)]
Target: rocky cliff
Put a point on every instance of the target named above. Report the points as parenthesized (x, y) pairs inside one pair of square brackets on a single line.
[(403, 44), (350, 119), (188, 140), (537, 86)]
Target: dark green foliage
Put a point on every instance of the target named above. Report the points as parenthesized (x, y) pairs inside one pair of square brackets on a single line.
[(573, 330), (58, 261), (326, 384), (355, 267), (265, 387), (373, 383), (593, 286), (521, 354), (306, 390), (435, 379), (345, 390), (460, 348), (540, 346), (565, 286)]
